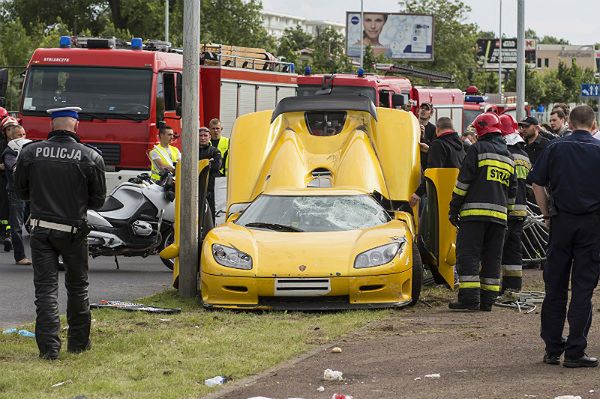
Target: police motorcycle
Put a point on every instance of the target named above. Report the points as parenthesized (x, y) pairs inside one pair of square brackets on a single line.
[(135, 220)]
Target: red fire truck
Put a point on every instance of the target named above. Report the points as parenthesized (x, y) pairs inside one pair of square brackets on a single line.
[(126, 93), (387, 91)]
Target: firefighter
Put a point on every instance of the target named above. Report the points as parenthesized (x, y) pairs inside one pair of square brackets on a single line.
[(512, 258), (5, 233), (62, 178), (221, 143), (164, 156), (486, 186)]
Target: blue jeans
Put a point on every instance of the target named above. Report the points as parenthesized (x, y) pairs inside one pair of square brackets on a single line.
[(16, 213)]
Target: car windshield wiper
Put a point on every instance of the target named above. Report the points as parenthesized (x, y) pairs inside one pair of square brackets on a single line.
[(274, 226)]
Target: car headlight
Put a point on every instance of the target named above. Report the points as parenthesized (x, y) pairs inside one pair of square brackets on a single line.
[(378, 256), (231, 257)]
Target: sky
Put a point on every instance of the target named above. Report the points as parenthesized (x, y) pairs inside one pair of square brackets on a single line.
[(574, 20)]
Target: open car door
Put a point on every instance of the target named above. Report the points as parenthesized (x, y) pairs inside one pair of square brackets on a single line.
[(437, 236), (204, 217)]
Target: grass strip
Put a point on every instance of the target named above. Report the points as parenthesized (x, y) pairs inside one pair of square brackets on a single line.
[(141, 355)]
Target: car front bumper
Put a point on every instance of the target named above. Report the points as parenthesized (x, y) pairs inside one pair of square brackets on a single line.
[(310, 293)]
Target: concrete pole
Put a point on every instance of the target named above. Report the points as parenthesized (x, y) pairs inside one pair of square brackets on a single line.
[(166, 20), (188, 249), (500, 58), (520, 59), (362, 36)]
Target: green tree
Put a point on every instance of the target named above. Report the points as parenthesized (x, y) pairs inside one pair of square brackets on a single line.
[(329, 52), (572, 77), (292, 41), (454, 41), (77, 15), (535, 87), (370, 59), (552, 40), (555, 89)]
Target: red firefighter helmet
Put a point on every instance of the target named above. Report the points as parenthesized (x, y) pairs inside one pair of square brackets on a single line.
[(3, 113), (508, 124), (487, 123)]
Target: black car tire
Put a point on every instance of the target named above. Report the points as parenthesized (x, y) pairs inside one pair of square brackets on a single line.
[(417, 275)]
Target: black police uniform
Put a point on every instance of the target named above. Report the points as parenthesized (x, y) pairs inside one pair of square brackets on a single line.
[(446, 151), (61, 178), (512, 257), (569, 167), (485, 189), (210, 152)]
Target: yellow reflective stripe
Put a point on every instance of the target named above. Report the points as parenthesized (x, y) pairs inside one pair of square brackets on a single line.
[(483, 212), (522, 172), (490, 287), (498, 164), (223, 146), (518, 213), (460, 192), (469, 284), (512, 273)]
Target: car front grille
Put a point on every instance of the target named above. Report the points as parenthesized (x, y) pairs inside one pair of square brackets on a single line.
[(302, 286)]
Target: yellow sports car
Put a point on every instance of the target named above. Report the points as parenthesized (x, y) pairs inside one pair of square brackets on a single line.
[(318, 213), (311, 249)]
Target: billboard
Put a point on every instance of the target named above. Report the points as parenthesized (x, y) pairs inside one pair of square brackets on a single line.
[(488, 53), (398, 36)]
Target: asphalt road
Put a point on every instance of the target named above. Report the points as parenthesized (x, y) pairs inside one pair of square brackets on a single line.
[(137, 277)]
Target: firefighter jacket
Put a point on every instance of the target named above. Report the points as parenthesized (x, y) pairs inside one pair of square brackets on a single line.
[(487, 185), (522, 168), (61, 177)]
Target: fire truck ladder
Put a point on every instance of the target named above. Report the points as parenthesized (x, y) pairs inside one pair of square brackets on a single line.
[(409, 70)]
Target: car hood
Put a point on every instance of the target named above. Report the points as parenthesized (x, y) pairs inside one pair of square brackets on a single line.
[(302, 254)]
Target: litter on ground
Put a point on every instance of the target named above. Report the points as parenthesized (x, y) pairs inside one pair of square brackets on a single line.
[(333, 375)]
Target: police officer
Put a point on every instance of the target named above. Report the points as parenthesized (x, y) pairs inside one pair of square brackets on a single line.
[(62, 178), (512, 257), (568, 167), (221, 143), (485, 189)]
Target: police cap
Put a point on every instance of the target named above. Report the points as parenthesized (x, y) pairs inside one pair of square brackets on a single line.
[(71, 112)]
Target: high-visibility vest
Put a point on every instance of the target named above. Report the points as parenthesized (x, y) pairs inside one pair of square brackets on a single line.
[(223, 147), (168, 155)]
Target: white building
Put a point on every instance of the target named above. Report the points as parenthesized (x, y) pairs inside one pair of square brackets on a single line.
[(276, 23)]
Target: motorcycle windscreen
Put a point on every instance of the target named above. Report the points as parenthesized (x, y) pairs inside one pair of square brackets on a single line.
[(437, 234)]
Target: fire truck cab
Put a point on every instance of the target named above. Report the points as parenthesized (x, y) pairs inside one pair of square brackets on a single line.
[(127, 90)]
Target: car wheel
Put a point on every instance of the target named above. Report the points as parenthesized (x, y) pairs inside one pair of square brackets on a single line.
[(168, 238), (417, 277)]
